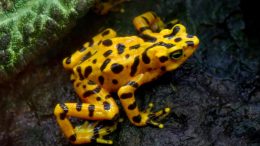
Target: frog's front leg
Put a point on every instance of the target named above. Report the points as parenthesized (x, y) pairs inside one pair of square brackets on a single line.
[(127, 98)]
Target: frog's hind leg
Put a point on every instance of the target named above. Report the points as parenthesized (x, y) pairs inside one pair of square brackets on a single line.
[(87, 50), (98, 106), (148, 22), (86, 134)]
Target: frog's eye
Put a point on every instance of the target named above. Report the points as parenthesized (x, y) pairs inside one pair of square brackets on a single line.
[(176, 54)]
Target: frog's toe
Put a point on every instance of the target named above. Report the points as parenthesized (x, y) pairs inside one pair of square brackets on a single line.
[(154, 118), (150, 107), (121, 120), (102, 130), (155, 123), (161, 114), (94, 132), (103, 141)]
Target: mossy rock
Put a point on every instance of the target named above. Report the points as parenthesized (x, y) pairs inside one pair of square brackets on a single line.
[(27, 27)]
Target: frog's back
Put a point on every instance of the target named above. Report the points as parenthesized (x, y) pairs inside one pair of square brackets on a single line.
[(111, 60)]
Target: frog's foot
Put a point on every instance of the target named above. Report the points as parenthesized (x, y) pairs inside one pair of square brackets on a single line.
[(154, 118), (94, 131)]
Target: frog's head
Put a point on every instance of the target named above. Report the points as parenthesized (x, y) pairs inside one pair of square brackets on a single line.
[(180, 46)]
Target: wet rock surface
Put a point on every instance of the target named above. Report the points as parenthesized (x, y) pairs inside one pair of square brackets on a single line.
[(214, 96)]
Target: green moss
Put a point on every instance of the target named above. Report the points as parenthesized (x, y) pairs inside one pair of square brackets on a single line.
[(29, 26)]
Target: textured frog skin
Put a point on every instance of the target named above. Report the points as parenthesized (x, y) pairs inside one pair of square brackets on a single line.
[(121, 64)]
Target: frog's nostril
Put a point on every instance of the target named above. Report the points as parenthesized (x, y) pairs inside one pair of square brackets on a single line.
[(193, 42), (190, 43), (189, 36)]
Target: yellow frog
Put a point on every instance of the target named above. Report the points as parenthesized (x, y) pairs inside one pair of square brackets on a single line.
[(109, 63)]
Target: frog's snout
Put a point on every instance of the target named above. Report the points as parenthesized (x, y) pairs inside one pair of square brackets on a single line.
[(192, 41), (196, 41)]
